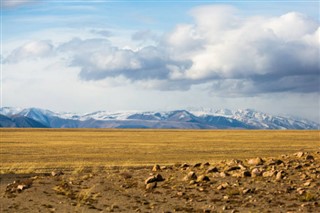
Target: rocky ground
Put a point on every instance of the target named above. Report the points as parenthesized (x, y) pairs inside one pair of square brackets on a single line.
[(289, 183)]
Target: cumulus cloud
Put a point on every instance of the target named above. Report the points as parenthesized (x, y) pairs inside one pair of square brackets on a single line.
[(237, 55), (98, 59), (30, 50)]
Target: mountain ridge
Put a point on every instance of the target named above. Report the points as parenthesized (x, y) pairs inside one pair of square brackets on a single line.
[(175, 119)]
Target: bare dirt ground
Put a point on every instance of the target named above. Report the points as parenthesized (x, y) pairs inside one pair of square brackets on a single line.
[(287, 183)]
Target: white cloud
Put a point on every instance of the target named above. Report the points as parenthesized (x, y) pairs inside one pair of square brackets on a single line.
[(237, 55), (30, 50)]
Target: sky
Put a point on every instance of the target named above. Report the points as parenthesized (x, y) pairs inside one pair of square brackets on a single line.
[(90, 55)]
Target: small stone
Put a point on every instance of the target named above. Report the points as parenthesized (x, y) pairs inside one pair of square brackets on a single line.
[(185, 165), (275, 162), (212, 170), (233, 168), (279, 175), (226, 197), (201, 189), (163, 167), (299, 154), (180, 194), (300, 191), (298, 167), (223, 174), (21, 187), (246, 191), (309, 158), (256, 172), (308, 183), (192, 182), (205, 164), (56, 173), (159, 178), (223, 186), (190, 176), (202, 178), (156, 168), (242, 167), (245, 174), (268, 173), (150, 179), (196, 165), (151, 185), (255, 161)]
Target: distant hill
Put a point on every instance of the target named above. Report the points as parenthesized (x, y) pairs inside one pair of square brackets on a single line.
[(177, 119), (20, 121)]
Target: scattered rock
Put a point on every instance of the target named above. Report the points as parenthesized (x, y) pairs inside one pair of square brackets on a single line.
[(156, 168), (19, 186), (279, 175), (159, 178), (56, 173), (233, 168), (298, 166), (255, 161), (308, 183), (164, 167), (205, 165), (299, 154), (300, 191), (196, 165), (180, 194), (154, 178), (151, 185), (246, 191), (190, 176), (202, 178), (224, 174), (309, 158), (223, 186), (212, 170), (256, 172), (245, 174), (268, 173), (275, 162), (242, 167), (185, 165)]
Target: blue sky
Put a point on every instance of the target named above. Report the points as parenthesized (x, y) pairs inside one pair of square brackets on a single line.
[(84, 56)]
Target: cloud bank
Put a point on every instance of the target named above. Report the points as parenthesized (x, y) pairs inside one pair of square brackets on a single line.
[(236, 55)]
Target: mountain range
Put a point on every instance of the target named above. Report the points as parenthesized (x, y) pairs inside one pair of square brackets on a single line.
[(177, 119)]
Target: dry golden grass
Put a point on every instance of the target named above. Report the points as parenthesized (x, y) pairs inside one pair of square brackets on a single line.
[(26, 150)]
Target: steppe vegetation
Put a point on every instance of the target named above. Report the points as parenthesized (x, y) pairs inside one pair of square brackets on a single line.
[(159, 171), (40, 150)]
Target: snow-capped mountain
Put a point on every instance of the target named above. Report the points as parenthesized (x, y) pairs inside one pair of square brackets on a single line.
[(181, 119), (261, 120)]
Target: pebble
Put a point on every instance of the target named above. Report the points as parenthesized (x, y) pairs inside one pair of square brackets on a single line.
[(190, 176), (212, 170), (255, 161), (156, 168), (202, 178)]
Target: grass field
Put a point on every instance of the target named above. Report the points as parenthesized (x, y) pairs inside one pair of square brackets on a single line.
[(36, 150)]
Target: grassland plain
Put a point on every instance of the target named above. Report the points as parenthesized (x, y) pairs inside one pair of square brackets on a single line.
[(38, 150), (102, 170)]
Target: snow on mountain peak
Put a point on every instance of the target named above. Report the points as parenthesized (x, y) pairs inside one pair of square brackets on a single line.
[(197, 118)]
